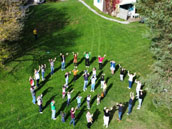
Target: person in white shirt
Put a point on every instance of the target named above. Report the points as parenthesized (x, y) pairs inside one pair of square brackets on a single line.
[(52, 65), (88, 101), (138, 87), (130, 80), (94, 72), (69, 97), (93, 82), (37, 77), (39, 102), (89, 119)]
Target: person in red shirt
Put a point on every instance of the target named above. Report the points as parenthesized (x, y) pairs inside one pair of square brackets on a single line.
[(31, 80), (72, 114)]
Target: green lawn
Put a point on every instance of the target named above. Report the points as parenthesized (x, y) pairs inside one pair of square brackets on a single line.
[(66, 27)]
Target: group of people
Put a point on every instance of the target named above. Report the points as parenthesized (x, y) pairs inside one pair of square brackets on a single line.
[(93, 78)]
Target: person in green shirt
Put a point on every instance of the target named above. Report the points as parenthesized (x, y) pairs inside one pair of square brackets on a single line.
[(87, 61), (53, 109)]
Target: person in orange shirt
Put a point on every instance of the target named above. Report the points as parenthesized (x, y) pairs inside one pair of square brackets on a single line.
[(35, 33), (75, 71)]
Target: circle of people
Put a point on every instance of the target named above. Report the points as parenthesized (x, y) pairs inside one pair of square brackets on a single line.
[(89, 116)]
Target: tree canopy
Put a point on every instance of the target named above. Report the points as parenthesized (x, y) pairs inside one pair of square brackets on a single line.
[(158, 15)]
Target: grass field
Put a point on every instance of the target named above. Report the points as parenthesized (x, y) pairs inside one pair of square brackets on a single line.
[(65, 27)]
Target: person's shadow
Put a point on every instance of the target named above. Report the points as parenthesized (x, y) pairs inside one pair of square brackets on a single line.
[(96, 115), (108, 88), (124, 108), (61, 108), (48, 102), (83, 109), (92, 100), (104, 63), (69, 63), (80, 60), (75, 96), (112, 113), (46, 91), (47, 78), (84, 101), (92, 60)]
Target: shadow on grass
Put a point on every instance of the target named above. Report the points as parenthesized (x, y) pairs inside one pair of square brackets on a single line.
[(93, 99), (112, 114), (48, 102), (52, 38), (104, 63), (83, 109), (81, 60), (69, 63), (124, 108), (46, 91), (75, 96), (61, 108), (96, 115), (47, 78), (92, 60)]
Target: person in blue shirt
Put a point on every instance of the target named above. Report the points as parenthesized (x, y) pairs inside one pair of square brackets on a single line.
[(112, 66), (85, 75), (79, 101)]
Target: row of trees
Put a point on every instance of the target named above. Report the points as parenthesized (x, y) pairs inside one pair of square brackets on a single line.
[(11, 24), (158, 15)]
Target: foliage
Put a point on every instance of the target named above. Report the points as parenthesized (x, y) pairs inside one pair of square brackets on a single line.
[(111, 5), (11, 16), (159, 17)]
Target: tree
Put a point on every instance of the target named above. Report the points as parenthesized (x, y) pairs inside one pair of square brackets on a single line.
[(159, 20), (11, 17)]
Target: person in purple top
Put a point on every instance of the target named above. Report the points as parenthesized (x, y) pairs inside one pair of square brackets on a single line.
[(130, 103), (72, 114), (85, 75)]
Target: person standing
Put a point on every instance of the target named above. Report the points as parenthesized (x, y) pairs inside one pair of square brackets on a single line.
[(112, 66), (53, 109), (100, 59), (130, 80), (63, 91), (102, 80), (79, 101), (43, 67), (32, 90), (69, 97), (75, 59), (94, 72), (120, 110), (31, 80), (63, 61), (75, 71), (39, 102), (104, 88), (106, 116), (98, 99), (88, 101), (85, 75), (37, 77), (72, 114), (141, 96), (35, 33), (67, 77), (122, 73), (52, 65), (89, 119), (63, 116), (93, 82), (130, 103), (138, 87), (87, 61)]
